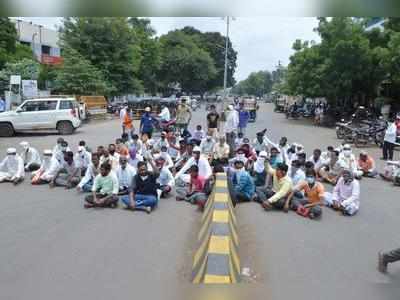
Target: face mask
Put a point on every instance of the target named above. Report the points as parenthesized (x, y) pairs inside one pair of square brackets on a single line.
[(347, 153), (261, 159), (241, 156), (310, 180), (347, 181)]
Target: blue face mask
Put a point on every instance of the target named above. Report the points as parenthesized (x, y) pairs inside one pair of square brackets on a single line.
[(310, 180)]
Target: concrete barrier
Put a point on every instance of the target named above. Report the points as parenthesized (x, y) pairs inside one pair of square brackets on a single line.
[(216, 260)]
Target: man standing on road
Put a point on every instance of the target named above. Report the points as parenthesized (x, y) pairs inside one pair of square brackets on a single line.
[(244, 117), (230, 127), (2, 105), (122, 113), (213, 120), (389, 141), (183, 115), (147, 122)]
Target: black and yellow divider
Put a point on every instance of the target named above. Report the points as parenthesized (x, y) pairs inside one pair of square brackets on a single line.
[(216, 260)]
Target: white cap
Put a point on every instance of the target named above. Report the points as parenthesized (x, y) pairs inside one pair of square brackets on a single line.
[(263, 154), (347, 146), (11, 151), (47, 152), (230, 107), (24, 144), (363, 152), (196, 149), (147, 108)]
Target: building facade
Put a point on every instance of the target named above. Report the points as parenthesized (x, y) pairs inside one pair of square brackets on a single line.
[(44, 42)]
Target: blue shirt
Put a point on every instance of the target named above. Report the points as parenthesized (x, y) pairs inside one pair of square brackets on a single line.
[(243, 183), (243, 118), (146, 122), (275, 161), (2, 105)]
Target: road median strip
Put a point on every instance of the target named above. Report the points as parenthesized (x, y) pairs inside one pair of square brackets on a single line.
[(216, 260)]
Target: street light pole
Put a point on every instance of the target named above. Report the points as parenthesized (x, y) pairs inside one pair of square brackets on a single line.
[(226, 55)]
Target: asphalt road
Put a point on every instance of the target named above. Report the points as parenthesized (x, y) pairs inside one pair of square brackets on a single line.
[(52, 248)]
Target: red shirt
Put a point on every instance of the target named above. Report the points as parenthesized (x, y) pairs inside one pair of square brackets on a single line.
[(197, 183)]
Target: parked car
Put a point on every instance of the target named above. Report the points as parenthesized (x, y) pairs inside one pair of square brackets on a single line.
[(61, 114)]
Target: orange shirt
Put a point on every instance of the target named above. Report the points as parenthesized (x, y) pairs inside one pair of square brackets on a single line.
[(314, 194), (128, 121), (366, 165)]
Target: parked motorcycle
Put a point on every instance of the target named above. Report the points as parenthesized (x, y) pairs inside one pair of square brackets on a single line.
[(342, 129), (164, 126), (292, 113)]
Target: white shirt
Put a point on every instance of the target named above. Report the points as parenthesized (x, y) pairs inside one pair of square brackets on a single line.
[(203, 164), (13, 165), (165, 114), (317, 164), (49, 174), (31, 156), (122, 113), (391, 133), (207, 146), (349, 162), (45, 165), (125, 176), (83, 159), (90, 174), (232, 122), (112, 159), (347, 194), (168, 160), (159, 143), (166, 177)]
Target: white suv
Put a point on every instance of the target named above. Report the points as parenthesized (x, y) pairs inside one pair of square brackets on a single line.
[(61, 114)]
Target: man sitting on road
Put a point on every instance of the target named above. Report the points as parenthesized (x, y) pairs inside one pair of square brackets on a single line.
[(221, 152), (68, 175), (83, 158), (125, 173), (316, 159), (346, 194), (207, 145), (259, 143), (86, 183), (296, 174), (143, 195), (166, 180), (31, 157), (12, 167), (198, 160), (349, 161), (194, 193), (332, 169), (258, 170), (310, 204), (366, 165), (104, 190), (281, 187), (241, 184), (36, 176)]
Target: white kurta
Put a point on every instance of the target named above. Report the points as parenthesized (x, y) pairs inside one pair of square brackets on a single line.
[(31, 156), (12, 167)]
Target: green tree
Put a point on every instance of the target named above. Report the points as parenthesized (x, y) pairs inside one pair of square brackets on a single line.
[(150, 53), (8, 38), (28, 70), (108, 43), (256, 84), (184, 63), (78, 76), (214, 44)]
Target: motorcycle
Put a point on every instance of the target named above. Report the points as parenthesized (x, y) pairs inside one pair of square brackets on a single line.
[(161, 126), (364, 136), (292, 113), (342, 129)]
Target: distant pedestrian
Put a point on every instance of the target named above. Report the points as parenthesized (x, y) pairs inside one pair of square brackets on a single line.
[(230, 128), (122, 113), (389, 141), (213, 121), (244, 117), (147, 123), (183, 115)]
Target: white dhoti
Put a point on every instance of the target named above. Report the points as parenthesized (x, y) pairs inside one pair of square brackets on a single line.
[(349, 207), (5, 176)]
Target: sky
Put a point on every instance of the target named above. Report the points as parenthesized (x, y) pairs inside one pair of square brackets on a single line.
[(261, 42)]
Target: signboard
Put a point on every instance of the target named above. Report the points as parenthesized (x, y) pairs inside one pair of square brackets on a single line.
[(51, 60), (29, 88), (15, 79)]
